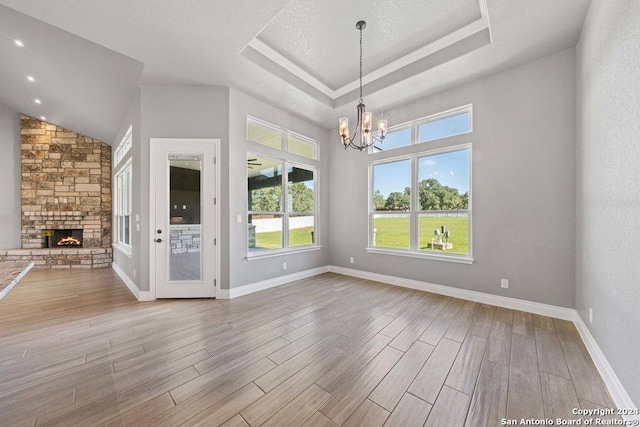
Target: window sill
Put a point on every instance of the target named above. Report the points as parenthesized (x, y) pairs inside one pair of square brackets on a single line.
[(280, 252), (435, 257), (122, 248)]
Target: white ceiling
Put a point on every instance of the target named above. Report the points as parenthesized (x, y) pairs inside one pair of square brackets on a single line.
[(298, 55)]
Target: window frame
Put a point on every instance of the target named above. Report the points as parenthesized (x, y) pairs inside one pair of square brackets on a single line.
[(415, 125), (122, 208), (413, 152), (284, 139), (123, 148), (286, 160)]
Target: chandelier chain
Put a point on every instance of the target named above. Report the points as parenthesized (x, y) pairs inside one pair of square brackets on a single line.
[(361, 65)]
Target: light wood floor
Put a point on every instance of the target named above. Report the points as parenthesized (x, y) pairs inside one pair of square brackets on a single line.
[(76, 348)]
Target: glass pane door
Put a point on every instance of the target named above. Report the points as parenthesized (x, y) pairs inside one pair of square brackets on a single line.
[(185, 210)]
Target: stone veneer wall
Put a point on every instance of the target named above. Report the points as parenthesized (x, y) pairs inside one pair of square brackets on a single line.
[(66, 183)]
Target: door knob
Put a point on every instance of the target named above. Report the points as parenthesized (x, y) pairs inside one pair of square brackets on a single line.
[(158, 240)]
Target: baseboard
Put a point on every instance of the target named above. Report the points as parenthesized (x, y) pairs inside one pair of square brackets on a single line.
[(270, 283), (481, 297), (10, 286), (616, 389), (140, 295)]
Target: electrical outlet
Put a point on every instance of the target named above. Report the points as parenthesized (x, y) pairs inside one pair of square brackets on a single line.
[(504, 283), (239, 219), (351, 260), (284, 265), (590, 315)]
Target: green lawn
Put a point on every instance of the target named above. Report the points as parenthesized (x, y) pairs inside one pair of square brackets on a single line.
[(273, 239), (393, 232)]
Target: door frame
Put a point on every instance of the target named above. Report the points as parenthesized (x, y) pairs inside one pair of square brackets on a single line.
[(152, 206)]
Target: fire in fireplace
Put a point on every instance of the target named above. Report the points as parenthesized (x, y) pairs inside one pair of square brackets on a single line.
[(66, 239)]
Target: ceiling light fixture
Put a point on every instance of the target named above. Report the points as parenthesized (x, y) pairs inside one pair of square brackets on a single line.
[(31, 78), (367, 139), (43, 118), (18, 43), (38, 101)]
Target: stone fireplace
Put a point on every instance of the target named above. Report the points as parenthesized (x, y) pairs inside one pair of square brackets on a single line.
[(66, 185)]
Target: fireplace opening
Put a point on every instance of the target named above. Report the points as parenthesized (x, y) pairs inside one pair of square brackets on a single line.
[(70, 238)]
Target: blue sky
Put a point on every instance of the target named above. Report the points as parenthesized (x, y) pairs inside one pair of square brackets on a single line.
[(450, 169)]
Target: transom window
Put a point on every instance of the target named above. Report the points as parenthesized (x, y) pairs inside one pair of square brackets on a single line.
[(124, 147), (420, 202), (437, 126), (280, 139)]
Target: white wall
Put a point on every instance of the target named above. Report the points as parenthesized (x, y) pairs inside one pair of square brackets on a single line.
[(10, 207), (608, 190), (523, 185), (175, 112), (245, 272)]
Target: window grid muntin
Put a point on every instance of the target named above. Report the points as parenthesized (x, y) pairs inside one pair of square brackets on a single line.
[(284, 203), (122, 208), (413, 212)]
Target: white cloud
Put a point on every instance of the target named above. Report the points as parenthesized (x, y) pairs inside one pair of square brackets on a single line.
[(428, 162)]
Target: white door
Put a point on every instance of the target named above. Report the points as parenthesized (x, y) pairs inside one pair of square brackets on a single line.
[(184, 248)]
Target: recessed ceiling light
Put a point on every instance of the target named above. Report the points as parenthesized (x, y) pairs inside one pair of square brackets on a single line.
[(18, 43), (38, 101), (31, 78), (43, 118)]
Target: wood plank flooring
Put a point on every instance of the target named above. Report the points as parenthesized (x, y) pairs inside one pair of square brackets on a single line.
[(76, 348)]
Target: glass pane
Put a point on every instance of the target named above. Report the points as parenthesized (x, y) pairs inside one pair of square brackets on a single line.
[(301, 148), (395, 139), (265, 232), (127, 233), (392, 186), (264, 182), (300, 185), (185, 256), (301, 230), (443, 181), (441, 128), (391, 231), (444, 232), (263, 135)]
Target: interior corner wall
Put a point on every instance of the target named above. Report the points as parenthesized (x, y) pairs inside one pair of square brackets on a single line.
[(179, 112), (131, 264), (10, 178), (608, 184), (523, 186), (244, 272)]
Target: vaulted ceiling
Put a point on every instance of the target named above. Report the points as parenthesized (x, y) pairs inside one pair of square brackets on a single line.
[(87, 57)]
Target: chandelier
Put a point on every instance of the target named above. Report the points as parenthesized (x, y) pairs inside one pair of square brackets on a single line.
[(363, 125)]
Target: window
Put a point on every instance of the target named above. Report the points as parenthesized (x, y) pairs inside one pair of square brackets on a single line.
[(122, 195), (438, 126), (282, 192), (421, 201), (122, 208), (123, 148), (280, 139)]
